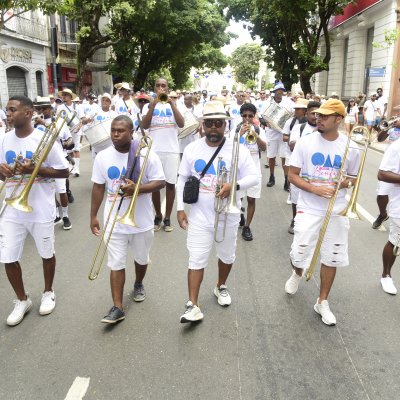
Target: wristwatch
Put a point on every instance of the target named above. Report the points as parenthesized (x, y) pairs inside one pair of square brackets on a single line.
[(237, 186)]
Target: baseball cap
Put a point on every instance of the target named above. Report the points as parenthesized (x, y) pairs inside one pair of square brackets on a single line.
[(332, 106)]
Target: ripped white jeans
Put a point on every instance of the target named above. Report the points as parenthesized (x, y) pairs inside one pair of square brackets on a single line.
[(334, 249)]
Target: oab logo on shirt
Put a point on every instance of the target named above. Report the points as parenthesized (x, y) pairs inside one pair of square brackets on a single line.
[(325, 169), (12, 155), (208, 183), (115, 175)]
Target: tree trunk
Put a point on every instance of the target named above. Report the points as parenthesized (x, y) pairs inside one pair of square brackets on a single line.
[(305, 83)]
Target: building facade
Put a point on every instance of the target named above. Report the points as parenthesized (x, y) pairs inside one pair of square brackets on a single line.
[(362, 59), (23, 65)]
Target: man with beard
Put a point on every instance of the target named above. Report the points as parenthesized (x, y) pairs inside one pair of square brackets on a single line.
[(201, 221)]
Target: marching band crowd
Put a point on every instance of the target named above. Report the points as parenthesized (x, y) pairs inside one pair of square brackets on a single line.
[(205, 149)]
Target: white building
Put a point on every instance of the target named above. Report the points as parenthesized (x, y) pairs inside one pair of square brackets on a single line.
[(361, 59)]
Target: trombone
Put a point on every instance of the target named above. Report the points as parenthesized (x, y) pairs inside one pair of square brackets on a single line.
[(351, 209), (128, 217), (20, 201), (228, 206)]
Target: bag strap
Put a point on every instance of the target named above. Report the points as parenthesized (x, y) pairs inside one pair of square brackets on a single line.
[(303, 125), (212, 158)]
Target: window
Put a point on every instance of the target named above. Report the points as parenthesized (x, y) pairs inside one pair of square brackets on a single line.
[(39, 83), (16, 82)]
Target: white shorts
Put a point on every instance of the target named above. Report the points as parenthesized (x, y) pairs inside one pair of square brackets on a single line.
[(254, 191), (383, 188), (61, 185), (394, 232), (77, 141), (350, 119), (200, 241), (276, 148), (120, 243), (334, 249), (170, 164), (294, 193), (13, 235)]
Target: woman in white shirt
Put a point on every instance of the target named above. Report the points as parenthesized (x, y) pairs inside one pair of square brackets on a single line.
[(351, 118)]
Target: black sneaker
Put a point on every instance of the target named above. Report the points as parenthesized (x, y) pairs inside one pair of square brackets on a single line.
[(286, 185), (167, 225), (242, 218), (67, 224), (246, 234), (113, 316), (57, 221), (157, 223), (291, 227), (70, 197), (271, 181), (70, 159), (76, 174), (379, 221)]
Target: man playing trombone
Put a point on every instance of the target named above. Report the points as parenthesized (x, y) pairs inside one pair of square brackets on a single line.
[(204, 224), (109, 169), (315, 165), (17, 148)]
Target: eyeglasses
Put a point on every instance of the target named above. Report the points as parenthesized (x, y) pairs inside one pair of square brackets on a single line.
[(143, 101), (247, 115), (324, 117), (216, 122)]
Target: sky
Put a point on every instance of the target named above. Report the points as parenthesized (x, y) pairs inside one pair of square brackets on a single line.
[(243, 37)]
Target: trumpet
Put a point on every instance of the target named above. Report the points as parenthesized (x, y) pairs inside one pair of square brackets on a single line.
[(385, 125), (20, 201), (162, 97), (251, 136), (351, 210), (228, 206), (128, 217)]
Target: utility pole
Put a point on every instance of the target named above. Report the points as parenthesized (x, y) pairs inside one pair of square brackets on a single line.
[(54, 51)]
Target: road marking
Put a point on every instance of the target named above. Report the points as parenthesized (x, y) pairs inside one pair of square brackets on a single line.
[(365, 214), (78, 389)]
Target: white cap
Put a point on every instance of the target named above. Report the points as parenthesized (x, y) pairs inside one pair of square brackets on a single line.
[(107, 95)]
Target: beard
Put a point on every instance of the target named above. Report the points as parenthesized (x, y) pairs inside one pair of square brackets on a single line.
[(214, 137)]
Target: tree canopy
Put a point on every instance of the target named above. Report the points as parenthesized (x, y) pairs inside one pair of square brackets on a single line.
[(291, 32), (245, 61)]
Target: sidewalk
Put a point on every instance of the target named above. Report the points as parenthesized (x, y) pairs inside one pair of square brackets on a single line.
[(375, 145)]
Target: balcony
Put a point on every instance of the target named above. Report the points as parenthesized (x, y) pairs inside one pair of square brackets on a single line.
[(31, 28), (63, 39)]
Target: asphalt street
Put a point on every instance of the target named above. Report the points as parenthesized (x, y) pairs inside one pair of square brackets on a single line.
[(266, 345)]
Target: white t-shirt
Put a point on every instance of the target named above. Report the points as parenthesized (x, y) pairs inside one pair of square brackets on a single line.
[(353, 111), (295, 133), (108, 167), (163, 128), (253, 148), (234, 112), (381, 101), (63, 109), (129, 108), (320, 161), (195, 158), (391, 162), (370, 109), (64, 134), (41, 196), (103, 115), (262, 105)]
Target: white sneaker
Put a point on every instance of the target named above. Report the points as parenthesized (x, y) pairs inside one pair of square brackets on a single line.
[(388, 285), (325, 312), (224, 298), (20, 309), (192, 313), (48, 303), (288, 201), (292, 284)]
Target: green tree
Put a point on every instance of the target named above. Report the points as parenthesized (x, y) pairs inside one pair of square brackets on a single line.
[(172, 34), (245, 61), (291, 32)]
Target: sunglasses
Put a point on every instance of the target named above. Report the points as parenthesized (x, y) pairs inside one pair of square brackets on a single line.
[(241, 95), (143, 101), (216, 122)]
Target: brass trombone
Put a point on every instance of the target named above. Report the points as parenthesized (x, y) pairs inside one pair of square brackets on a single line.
[(228, 206), (351, 209), (128, 217), (20, 201)]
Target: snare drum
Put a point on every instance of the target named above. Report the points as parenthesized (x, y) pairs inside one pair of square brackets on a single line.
[(99, 135)]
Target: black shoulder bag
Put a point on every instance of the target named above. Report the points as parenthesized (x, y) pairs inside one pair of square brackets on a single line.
[(192, 185)]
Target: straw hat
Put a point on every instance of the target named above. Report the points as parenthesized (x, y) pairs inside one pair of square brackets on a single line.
[(301, 103), (68, 91), (214, 109)]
